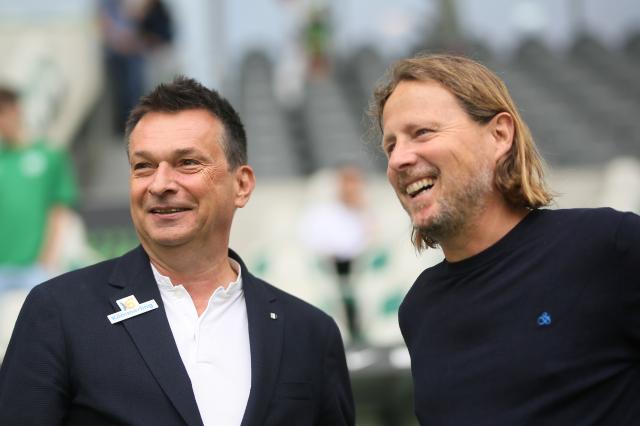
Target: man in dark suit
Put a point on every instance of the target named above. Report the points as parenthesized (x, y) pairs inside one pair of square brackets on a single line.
[(177, 331)]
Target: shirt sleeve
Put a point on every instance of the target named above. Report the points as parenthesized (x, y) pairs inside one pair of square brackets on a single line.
[(33, 378)]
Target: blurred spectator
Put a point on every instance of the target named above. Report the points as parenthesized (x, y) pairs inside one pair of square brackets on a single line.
[(131, 30), (317, 38), (156, 28), (291, 69), (338, 231), (157, 31), (36, 189)]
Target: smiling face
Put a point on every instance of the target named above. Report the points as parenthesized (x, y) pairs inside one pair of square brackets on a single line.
[(441, 162), (181, 189)]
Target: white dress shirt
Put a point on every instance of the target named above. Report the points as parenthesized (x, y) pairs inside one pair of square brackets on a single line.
[(214, 347)]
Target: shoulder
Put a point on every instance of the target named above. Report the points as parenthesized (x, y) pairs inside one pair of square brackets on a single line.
[(413, 298), (308, 326), (576, 224), (74, 286), (294, 305), (431, 274), (100, 269), (261, 290), (579, 216), (589, 223)]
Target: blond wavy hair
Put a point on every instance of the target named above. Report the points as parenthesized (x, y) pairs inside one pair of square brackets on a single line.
[(482, 94)]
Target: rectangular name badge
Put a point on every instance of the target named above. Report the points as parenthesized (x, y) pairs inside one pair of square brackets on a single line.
[(129, 307)]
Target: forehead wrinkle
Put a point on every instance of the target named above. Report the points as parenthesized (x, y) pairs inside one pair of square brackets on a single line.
[(424, 95), (192, 124), (158, 129), (176, 152)]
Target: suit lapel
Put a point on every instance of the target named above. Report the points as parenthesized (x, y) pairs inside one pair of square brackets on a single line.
[(152, 334), (266, 329)]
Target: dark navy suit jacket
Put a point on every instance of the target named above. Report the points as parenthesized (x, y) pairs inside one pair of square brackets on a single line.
[(68, 365)]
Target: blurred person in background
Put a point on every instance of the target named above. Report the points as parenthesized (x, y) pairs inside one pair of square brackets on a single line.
[(131, 30), (37, 192), (338, 231), (317, 37), (156, 25), (157, 32), (177, 331), (534, 315)]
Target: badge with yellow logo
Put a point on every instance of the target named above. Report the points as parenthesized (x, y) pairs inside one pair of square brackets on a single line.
[(129, 307), (126, 303)]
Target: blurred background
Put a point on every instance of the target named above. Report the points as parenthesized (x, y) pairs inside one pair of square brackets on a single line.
[(323, 223)]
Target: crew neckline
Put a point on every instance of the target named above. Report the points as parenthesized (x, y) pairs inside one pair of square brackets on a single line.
[(503, 244)]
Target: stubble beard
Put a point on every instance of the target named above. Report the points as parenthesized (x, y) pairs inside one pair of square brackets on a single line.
[(465, 201)]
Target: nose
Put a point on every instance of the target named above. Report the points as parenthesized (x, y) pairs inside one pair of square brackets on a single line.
[(163, 180), (402, 157)]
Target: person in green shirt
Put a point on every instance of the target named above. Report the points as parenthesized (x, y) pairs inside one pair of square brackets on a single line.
[(37, 190)]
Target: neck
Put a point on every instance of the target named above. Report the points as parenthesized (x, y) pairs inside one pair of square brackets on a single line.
[(483, 231), (200, 274)]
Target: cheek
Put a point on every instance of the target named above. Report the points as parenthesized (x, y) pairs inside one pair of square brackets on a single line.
[(213, 174), (136, 190), (393, 180), (391, 176), (209, 176), (212, 184)]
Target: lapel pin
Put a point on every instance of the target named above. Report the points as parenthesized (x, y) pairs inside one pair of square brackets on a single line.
[(130, 307), (273, 315), (126, 303)]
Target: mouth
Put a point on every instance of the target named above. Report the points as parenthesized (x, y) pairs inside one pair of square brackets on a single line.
[(419, 186), (168, 210)]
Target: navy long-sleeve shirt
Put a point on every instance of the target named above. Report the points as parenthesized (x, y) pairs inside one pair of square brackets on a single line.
[(542, 328)]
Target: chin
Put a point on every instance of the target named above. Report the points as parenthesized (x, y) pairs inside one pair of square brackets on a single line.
[(422, 219), (422, 224), (168, 240)]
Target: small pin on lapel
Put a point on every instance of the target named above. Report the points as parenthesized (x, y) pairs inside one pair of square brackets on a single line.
[(129, 307), (273, 315)]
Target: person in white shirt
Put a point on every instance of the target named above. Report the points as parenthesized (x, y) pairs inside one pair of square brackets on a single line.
[(176, 331)]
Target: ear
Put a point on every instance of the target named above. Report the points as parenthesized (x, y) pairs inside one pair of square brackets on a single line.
[(245, 181), (502, 131)]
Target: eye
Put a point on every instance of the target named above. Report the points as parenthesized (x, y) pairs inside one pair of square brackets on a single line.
[(422, 132), (189, 162), (189, 165), (141, 166), (388, 148)]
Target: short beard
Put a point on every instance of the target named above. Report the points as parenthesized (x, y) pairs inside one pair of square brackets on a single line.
[(458, 210)]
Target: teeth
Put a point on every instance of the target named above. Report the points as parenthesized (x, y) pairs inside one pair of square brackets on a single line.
[(417, 186), (167, 211)]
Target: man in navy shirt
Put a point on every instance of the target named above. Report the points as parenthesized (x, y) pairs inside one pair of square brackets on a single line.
[(533, 318)]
